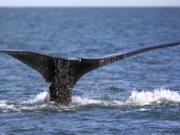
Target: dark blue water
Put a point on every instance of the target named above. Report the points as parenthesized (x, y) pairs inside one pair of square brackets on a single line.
[(138, 95)]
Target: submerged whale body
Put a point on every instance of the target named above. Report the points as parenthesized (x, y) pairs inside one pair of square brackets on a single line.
[(62, 74)]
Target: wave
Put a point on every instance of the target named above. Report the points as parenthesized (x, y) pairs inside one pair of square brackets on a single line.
[(157, 97)]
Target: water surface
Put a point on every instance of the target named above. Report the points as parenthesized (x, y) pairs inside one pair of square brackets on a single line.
[(138, 95)]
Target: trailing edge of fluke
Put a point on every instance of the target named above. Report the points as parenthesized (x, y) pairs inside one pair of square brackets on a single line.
[(62, 74)]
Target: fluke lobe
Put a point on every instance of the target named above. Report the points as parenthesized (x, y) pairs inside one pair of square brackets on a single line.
[(62, 74)]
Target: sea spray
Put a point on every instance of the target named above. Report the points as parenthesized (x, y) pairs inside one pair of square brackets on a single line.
[(136, 99), (154, 97)]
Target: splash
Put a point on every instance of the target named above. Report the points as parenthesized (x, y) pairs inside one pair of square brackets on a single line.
[(5, 106), (136, 99), (158, 96), (143, 98), (42, 97)]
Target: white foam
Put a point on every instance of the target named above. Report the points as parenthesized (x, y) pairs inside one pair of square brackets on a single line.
[(5, 106), (3, 103), (136, 99), (142, 98), (85, 101), (40, 98), (155, 97)]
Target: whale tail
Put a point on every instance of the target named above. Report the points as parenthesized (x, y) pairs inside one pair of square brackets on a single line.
[(62, 74)]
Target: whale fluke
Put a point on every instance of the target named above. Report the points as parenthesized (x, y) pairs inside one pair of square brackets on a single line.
[(62, 74)]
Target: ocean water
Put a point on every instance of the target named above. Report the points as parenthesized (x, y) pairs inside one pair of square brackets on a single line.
[(138, 95)]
